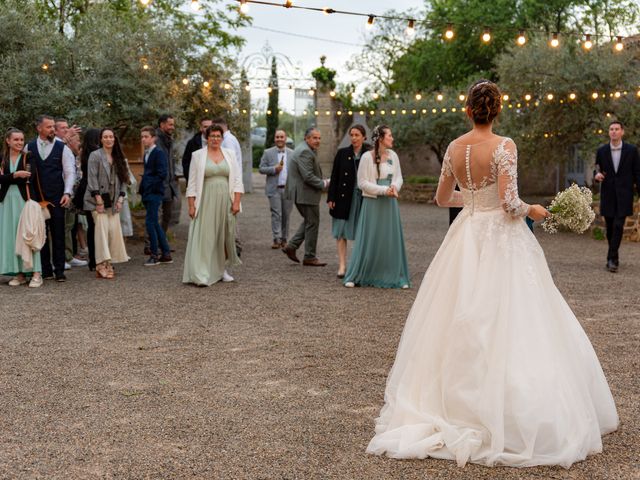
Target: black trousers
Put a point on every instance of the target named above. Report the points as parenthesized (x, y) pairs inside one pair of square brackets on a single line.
[(53, 248), (91, 235), (615, 228)]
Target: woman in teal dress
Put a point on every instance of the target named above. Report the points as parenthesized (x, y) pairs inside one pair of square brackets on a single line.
[(344, 197), (13, 195), (213, 192), (379, 258)]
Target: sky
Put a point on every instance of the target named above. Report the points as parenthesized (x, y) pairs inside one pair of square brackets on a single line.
[(338, 37)]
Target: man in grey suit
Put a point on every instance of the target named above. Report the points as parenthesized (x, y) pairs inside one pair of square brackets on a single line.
[(304, 187), (273, 164)]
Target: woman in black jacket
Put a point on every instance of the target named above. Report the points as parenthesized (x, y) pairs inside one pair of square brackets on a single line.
[(344, 197)]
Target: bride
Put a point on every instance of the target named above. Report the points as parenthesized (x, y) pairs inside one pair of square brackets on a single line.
[(493, 367)]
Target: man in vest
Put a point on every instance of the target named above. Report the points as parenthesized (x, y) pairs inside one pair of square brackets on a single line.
[(53, 170)]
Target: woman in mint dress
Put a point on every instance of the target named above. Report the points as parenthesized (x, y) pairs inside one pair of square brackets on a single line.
[(379, 258), (344, 197), (13, 195), (213, 192)]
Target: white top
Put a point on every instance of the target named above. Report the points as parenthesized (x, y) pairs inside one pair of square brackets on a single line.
[(282, 176), (196, 175), (68, 161), (368, 174), (230, 142), (616, 152)]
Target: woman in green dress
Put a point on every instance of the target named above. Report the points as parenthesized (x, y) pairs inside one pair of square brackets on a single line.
[(344, 197), (14, 178), (379, 258), (213, 192)]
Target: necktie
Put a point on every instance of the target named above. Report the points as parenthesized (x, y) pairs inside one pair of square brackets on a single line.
[(42, 149)]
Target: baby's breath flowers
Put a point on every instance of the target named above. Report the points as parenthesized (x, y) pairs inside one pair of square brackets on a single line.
[(570, 210)]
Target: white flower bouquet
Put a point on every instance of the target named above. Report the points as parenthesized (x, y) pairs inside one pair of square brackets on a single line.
[(570, 210)]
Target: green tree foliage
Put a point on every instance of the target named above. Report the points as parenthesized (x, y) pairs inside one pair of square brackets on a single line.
[(112, 63), (274, 117)]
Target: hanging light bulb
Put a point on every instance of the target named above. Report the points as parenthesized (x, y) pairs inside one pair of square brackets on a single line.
[(486, 36), (370, 21), (555, 43), (461, 97), (619, 46), (288, 4), (588, 44), (144, 2), (418, 96), (449, 34), (572, 96), (244, 7), (617, 94), (550, 96), (522, 39), (411, 30), (205, 84), (332, 93), (595, 95), (527, 97), (185, 81), (195, 5), (269, 89), (376, 95), (328, 11), (505, 97), (311, 92), (439, 97)]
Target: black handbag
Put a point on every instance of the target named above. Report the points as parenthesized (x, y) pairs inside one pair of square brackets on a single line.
[(106, 199)]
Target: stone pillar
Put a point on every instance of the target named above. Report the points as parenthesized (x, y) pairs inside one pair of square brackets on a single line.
[(327, 126)]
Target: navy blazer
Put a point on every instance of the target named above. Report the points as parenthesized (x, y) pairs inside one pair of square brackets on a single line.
[(344, 178), (7, 179), (616, 191), (155, 174)]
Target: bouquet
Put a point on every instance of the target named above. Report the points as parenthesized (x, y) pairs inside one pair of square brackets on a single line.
[(570, 210)]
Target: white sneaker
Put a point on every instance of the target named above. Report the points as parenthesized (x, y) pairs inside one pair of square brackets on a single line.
[(67, 266), (16, 282), (226, 277), (405, 286), (35, 282), (76, 262), (349, 284)]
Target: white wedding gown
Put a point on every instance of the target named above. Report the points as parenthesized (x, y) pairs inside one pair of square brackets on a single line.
[(493, 367)]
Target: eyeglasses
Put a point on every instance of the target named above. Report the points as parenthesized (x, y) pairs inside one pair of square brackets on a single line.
[(215, 137)]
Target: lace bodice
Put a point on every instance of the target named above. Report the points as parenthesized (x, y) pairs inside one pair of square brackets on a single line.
[(486, 174)]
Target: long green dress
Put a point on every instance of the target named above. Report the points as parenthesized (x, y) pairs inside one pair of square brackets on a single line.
[(212, 232), (10, 210), (379, 258), (346, 229)]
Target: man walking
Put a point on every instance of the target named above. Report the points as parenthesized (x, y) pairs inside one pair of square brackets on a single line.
[(273, 164), (54, 169), (304, 187), (618, 168), (195, 143)]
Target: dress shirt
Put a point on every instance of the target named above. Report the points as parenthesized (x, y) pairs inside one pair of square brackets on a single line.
[(282, 176), (230, 141), (148, 152), (616, 152), (68, 162)]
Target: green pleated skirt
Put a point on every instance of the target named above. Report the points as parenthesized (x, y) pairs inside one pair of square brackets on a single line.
[(10, 210), (379, 258)]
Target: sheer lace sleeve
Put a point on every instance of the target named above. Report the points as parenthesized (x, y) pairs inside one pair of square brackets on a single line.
[(506, 159), (446, 195)]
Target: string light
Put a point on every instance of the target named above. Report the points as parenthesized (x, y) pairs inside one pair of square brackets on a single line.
[(619, 46), (411, 28), (550, 96), (527, 97), (449, 34), (45, 67), (144, 2), (505, 97), (461, 97), (332, 93), (195, 5), (588, 44), (288, 4), (185, 81), (145, 66), (311, 92), (244, 7), (617, 94), (206, 84), (247, 87), (418, 96), (269, 89), (486, 36), (328, 11), (439, 97), (522, 39), (555, 43), (594, 95), (370, 21), (376, 95), (572, 96)]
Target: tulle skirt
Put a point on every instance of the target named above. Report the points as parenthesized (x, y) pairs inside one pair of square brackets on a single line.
[(493, 367)]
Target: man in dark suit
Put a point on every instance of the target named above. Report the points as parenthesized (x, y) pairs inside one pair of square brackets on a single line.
[(151, 189), (195, 143), (304, 187), (618, 168), (171, 200)]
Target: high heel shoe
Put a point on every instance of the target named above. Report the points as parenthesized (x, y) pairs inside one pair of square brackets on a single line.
[(111, 273), (101, 271)]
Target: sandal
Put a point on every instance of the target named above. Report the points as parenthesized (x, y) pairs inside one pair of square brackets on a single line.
[(111, 273), (102, 271)]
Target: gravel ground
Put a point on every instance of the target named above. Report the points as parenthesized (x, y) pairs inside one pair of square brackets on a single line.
[(276, 376)]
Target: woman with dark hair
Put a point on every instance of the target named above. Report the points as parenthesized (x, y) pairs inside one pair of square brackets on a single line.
[(90, 143), (107, 178), (344, 197), (379, 258), (213, 192), (14, 182), (493, 367)]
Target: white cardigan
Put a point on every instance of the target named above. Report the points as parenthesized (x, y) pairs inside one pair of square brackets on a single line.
[(368, 174), (196, 175)]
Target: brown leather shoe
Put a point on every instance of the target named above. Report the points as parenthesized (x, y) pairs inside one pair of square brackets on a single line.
[(291, 253), (313, 262), (276, 245)]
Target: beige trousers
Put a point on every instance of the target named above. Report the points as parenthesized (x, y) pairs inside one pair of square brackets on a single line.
[(108, 238)]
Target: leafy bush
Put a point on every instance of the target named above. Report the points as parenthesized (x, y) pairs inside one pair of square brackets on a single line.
[(257, 155)]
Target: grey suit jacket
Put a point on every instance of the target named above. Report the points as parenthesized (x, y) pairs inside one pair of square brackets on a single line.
[(99, 179), (268, 164), (304, 178)]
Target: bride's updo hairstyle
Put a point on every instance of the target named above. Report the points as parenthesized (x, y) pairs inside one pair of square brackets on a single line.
[(485, 101)]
